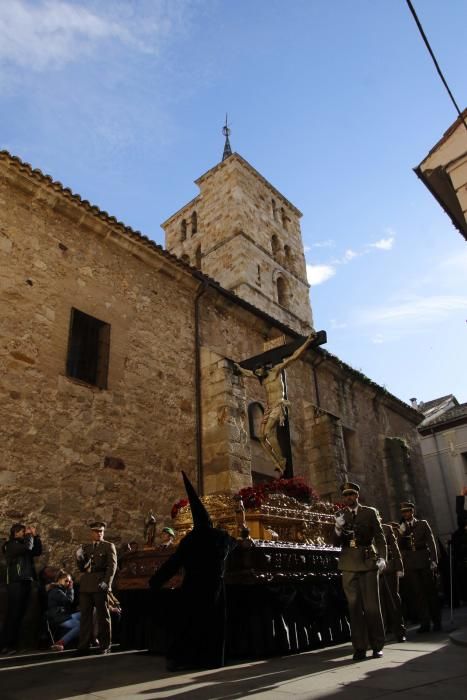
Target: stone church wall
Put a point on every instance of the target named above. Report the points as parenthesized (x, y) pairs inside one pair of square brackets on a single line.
[(72, 452)]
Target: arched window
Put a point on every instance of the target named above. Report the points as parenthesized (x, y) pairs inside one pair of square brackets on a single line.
[(287, 251), (275, 245), (284, 218), (282, 291), (194, 223), (183, 229), (255, 418), (198, 257), (274, 209)]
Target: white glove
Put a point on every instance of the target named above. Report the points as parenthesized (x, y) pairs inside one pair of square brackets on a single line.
[(402, 528), (340, 521), (103, 586), (80, 552), (400, 574), (380, 564), (433, 566)]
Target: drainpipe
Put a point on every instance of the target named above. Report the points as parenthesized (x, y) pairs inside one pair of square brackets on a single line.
[(198, 417), (314, 365)]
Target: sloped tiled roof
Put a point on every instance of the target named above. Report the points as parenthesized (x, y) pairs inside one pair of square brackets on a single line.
[(436, 407), (453, 416)]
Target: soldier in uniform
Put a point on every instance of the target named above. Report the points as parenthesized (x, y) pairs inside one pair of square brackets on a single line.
[(391, 604), (363, 557), (420, 559), (98, 563)]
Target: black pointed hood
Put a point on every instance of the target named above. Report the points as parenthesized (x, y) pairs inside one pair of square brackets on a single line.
[(200, 515)]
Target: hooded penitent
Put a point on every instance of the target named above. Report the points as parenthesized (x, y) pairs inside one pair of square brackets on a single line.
[(199, 615), (199, 513)]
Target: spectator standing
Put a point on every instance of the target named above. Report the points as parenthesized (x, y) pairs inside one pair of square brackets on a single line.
[(20, 549), (420, 559), (98, 563), (363, 558)]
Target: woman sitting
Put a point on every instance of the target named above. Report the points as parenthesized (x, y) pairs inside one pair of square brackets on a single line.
[(60, 613)]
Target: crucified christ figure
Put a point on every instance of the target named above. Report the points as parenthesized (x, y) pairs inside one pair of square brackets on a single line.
[(276, 409)]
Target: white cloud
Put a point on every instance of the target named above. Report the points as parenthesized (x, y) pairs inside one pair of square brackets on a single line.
[(384, 243), (350, 255), (323, 244), (337, 325), (53, 33), (377, 339), (417, 311), (317, 274)]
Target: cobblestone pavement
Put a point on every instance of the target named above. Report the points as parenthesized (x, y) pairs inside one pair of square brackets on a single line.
[(427, 666)]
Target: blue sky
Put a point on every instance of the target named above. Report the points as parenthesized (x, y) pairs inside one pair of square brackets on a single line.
[(333, 101)]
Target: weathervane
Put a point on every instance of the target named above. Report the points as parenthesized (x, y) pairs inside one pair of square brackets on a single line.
[(226, 132)]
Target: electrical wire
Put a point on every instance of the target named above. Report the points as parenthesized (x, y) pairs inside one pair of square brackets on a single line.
[(427, 44)]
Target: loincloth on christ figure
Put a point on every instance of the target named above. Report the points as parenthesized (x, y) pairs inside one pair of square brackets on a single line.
[(278, 412)]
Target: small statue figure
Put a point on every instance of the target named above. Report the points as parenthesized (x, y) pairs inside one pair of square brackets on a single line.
[(150, 530), (276, 409)]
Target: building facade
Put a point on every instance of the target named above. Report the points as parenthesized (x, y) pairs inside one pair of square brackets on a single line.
[(444, 173), (117, 361), (443, 438)]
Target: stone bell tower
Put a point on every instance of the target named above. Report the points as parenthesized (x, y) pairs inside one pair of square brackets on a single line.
[(246, 235)]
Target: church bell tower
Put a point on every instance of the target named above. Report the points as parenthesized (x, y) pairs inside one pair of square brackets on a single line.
[(246, 235)]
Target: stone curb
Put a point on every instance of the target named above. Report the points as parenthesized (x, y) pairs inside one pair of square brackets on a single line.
[(459, 637)]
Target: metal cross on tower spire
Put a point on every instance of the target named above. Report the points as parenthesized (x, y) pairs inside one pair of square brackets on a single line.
[(226, 132)]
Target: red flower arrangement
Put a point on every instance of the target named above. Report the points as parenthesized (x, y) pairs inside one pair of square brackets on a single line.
[(181, 503), (254, 496)]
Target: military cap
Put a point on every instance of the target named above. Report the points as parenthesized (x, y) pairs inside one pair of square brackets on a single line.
[(349, 487), (169, 531), (98, 525), (407, 505)]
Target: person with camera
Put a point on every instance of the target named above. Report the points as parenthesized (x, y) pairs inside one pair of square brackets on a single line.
[(97, 561), (20, 549), (60, 610), (359, 532)]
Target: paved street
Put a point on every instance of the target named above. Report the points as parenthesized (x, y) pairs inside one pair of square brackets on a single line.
[(427, 666)]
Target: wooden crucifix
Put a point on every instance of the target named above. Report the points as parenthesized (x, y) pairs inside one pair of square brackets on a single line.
[(268, 368)]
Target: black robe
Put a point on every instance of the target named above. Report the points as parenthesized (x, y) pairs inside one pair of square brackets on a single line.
[(197, 626)]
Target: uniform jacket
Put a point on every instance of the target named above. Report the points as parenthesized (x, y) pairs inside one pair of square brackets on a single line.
[(417, 545), (369, 540), (19, 555), (394, 562), (99, 564)]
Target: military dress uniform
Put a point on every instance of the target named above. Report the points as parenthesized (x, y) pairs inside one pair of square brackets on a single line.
[(420, 558), (98, 565), (391, 604), (362, 541)]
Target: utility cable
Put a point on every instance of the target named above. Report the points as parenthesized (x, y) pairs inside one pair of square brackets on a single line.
[(427, 44)]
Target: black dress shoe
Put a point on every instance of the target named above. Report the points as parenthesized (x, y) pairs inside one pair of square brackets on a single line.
[(401, 638), (84, 651), (423, 628), (359, 655), (104, 650), (377, 654)]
